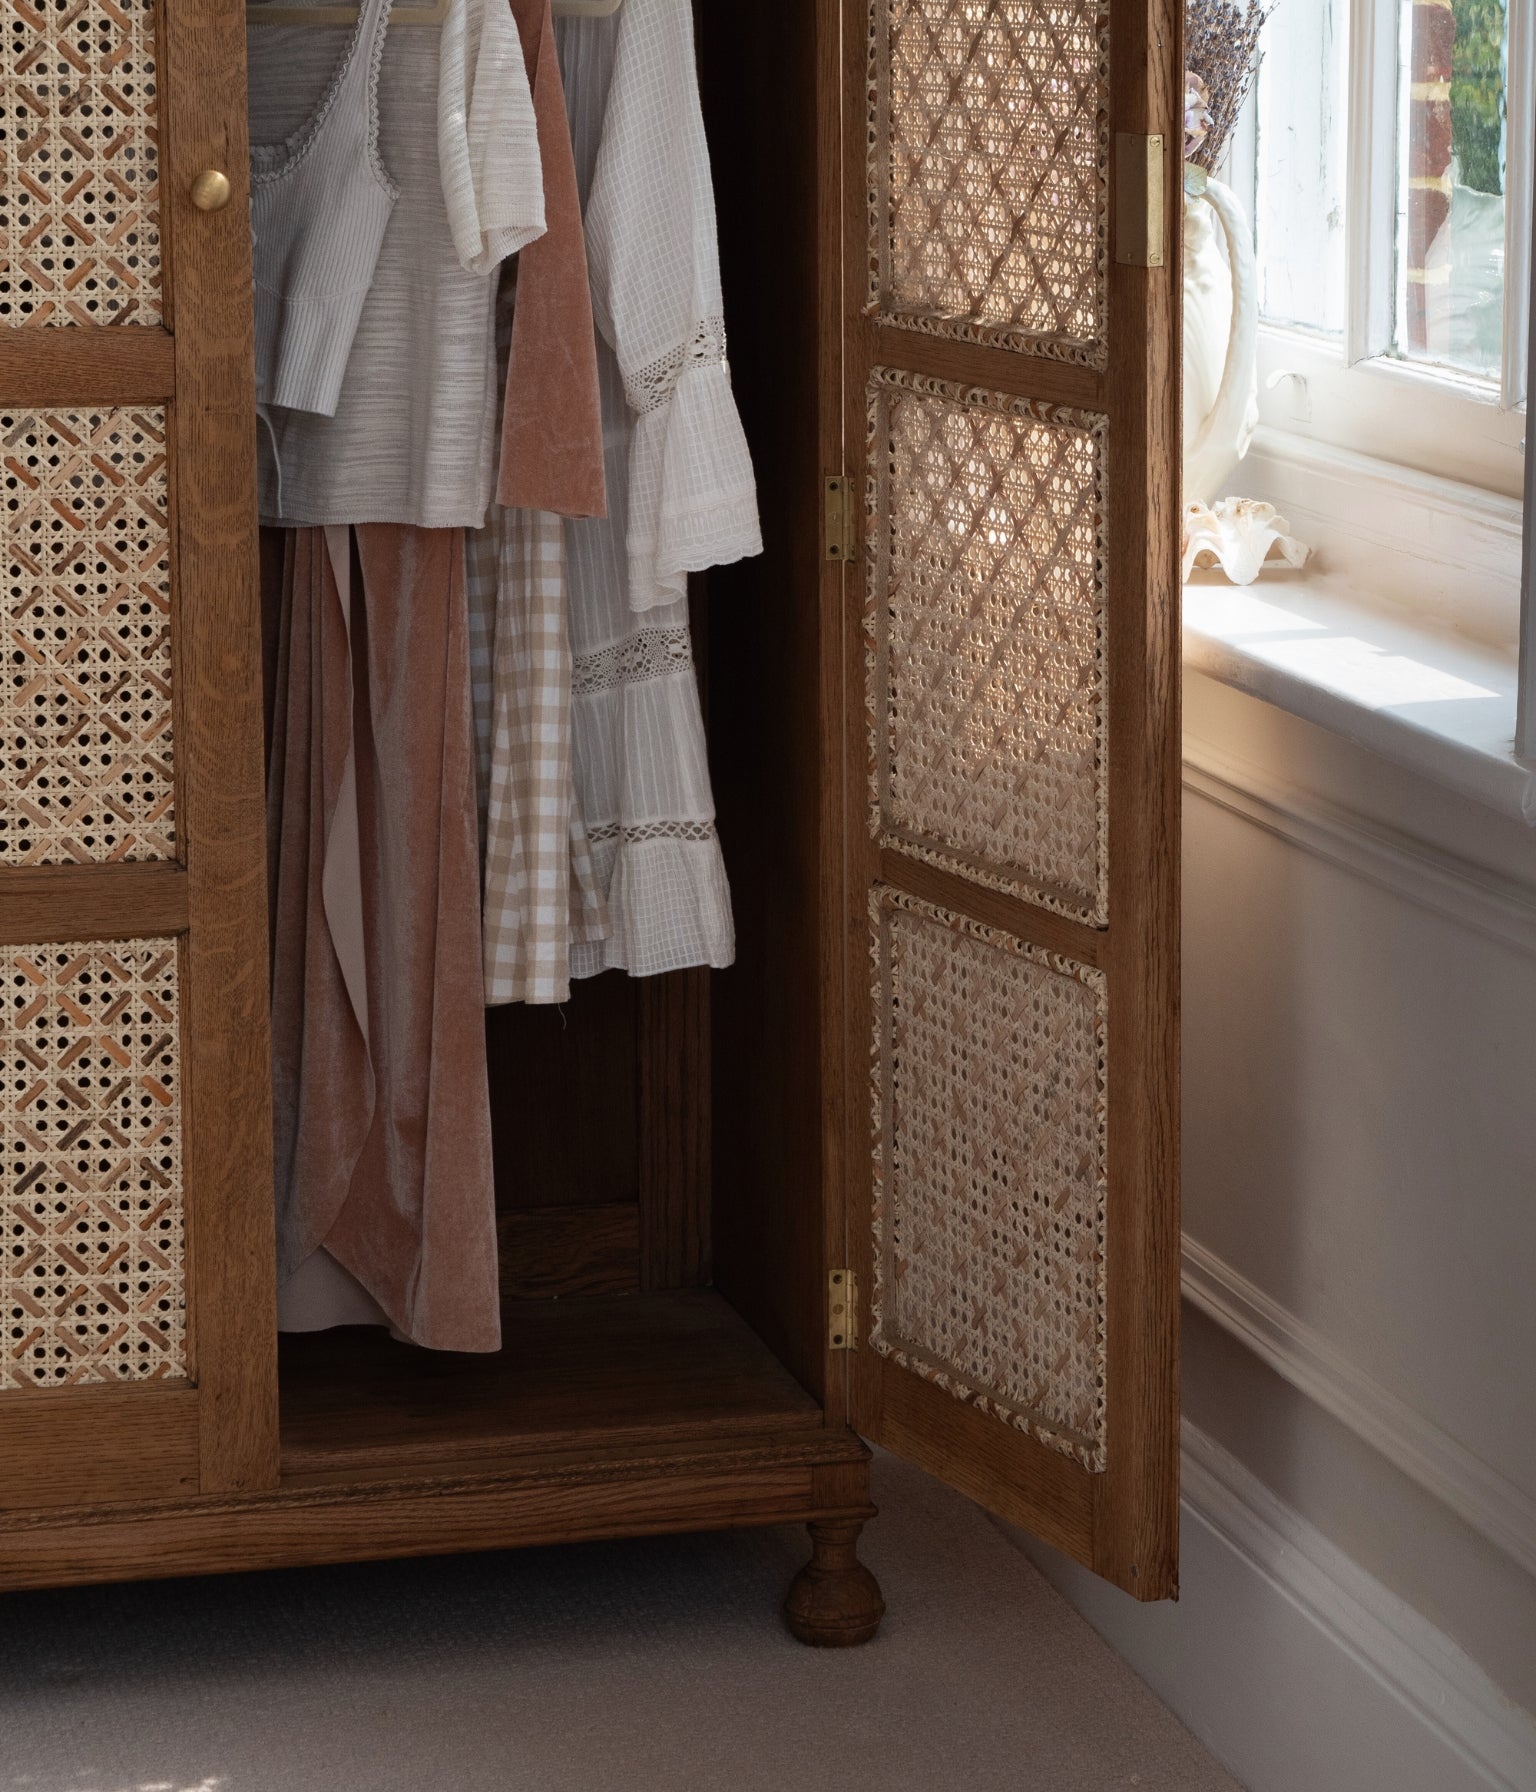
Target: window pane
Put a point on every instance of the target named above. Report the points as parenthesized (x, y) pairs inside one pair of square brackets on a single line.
[(1450, 213), (1301, 96)]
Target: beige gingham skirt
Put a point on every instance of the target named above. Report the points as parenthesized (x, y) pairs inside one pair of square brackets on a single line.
[(540, 889)]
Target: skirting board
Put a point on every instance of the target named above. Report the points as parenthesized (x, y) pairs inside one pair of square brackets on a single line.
[(1297, 1669)]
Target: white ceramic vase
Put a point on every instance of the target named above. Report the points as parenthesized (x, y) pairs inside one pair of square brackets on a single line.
[(1221, 332)]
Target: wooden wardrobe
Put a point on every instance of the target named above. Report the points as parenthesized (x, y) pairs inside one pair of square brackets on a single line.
[(909, 1170)]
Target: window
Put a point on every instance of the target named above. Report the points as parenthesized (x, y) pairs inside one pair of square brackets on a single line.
[(1386, 158)]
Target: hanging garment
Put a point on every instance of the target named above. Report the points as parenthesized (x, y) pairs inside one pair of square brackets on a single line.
[(385, 1195), (551, 425), (681, 494), (651, 242), (320, 203), (414, 434), (539, 882), (540, 886)]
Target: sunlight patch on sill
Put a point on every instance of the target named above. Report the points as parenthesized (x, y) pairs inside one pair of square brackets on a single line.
[(1432, 700)]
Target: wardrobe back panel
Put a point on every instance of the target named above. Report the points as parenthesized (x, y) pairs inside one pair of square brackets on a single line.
[(777, 1211), (137, 1357), (601, 1118), (564, 1112)]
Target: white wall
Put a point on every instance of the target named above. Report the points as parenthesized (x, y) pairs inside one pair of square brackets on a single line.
[(1360, 1219)]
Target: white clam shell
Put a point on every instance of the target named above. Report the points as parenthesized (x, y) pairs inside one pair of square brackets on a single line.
[(1238, 535)]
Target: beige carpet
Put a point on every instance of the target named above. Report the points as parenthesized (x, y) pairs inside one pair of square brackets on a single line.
[(650, 1666)]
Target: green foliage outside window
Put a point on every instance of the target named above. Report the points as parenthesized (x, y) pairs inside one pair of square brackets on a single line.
[(1477, 93)]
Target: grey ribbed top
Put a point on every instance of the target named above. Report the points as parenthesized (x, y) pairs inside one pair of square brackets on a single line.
[(414, 433), (320, 201)]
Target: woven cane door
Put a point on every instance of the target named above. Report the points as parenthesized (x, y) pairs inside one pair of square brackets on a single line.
[(1010, 430), (137, 1347)]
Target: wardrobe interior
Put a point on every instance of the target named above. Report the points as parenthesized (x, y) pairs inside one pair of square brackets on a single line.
[(664, 1220)]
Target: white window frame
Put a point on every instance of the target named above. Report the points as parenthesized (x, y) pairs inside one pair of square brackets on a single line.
[(1350, 392), (1525, 713)]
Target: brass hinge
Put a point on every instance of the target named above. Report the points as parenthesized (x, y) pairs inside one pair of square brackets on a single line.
[(837, 517), (1140, 228), (842, 1310)]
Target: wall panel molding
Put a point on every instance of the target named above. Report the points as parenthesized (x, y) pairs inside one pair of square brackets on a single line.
[(1501, 908), (1494, 1506)]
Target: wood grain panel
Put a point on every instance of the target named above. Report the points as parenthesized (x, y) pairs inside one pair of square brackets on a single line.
[(1136, 1529), (726, 1486), (948, 889), (220, 798), (565, 1121), (80, 1446), (1025, 1483), (998, 369), (40, 903), (673, 1056), (76, 367), (776, 1100), (571, 1373), (550, 1251)]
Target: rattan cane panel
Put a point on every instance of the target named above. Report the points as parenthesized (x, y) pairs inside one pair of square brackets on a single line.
[(79, 164), (988, 157), (989, 1116), (86, 773), (91, 1255), (985, 634)]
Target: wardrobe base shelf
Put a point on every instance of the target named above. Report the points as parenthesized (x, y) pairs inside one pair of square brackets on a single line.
[(588, 1373)]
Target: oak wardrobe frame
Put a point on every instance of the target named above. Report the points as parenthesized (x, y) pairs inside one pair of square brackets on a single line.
[(909, 1170)]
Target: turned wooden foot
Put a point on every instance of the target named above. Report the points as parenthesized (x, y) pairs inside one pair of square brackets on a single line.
[(835, 1601)]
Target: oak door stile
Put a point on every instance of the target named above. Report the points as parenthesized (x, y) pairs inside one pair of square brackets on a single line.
[(219, 682)]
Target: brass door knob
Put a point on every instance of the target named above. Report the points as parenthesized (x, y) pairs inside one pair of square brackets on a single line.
[(210, 191)]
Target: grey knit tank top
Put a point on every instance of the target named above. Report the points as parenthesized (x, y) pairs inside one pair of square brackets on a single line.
[(320, 201)]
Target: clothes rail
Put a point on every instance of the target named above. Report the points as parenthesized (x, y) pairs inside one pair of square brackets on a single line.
[(405, 12)]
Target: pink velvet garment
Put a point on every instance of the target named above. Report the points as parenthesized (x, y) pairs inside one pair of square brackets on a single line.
[(383, 1110), (551, 424)]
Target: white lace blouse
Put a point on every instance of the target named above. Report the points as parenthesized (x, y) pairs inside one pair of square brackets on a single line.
[(681, 492), (655, 264), (413, 439)]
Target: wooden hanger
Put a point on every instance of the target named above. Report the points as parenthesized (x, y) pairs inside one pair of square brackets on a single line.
[(404, 12)]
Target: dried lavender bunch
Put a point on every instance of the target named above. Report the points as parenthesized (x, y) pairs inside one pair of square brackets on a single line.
[(1221, 50)]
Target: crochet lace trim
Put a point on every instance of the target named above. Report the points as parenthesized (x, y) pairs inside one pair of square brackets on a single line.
[(649, 653), (650, 830), (648, 388)]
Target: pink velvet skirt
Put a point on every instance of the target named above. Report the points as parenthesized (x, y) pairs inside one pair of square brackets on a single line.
[(384, 1175)]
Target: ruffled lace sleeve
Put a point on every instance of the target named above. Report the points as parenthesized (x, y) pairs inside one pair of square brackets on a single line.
[(487, 137), (655, 270)]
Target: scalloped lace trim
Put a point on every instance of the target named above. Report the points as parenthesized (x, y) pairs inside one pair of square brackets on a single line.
[(273, 161), (375, 68), (648, 653), (648, 388)]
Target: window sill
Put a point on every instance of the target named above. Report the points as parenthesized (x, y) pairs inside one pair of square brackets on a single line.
[(1438, 703), (1399, 633)]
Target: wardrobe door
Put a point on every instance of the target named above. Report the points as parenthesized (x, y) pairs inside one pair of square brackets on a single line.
[(137, 1359), (1011, 430)]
